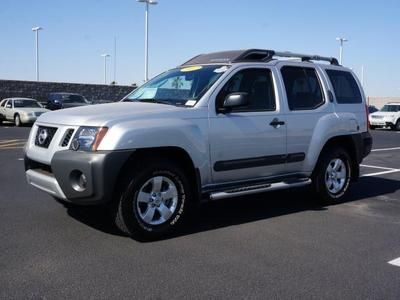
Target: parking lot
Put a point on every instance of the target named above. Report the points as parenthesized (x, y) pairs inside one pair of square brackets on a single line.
[(274, 245)]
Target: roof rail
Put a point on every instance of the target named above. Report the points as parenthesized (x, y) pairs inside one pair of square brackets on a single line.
[(252, 55), (307, 57)]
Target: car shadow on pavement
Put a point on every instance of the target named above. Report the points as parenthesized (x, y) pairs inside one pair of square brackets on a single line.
[(241, 210)]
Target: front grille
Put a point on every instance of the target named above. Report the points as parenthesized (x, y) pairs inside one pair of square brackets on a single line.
[(44, 136), (67, 137), (377, 117)]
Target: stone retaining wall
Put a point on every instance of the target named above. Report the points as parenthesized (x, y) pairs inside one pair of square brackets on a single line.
[(40, 90)]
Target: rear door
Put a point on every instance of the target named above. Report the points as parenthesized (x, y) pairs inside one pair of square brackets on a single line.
[(244, 143), (306, 105)]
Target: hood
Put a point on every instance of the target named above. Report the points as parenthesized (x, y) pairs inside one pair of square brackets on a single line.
[(110, 114)]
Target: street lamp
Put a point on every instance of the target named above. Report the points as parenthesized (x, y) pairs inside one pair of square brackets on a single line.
[(341, 40), (146, 37), (36, 30), (105, 66)]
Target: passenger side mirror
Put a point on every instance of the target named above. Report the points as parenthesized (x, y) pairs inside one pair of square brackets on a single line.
[(235, 100)]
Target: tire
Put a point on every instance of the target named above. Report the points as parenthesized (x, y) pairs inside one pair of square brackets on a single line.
[(332, 175), (154, 202), (372, 127), (17, 121), (397, 126)]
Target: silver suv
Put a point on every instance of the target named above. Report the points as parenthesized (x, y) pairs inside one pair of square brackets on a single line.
[(221, 125)]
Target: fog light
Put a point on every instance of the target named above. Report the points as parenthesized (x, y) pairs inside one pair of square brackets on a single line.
[(78, 180)]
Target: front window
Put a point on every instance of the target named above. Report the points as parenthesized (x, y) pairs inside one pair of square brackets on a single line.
[(26, 103), (391, 108), (183, 86)]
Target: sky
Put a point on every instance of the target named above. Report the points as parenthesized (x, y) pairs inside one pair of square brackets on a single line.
[(77, 32)]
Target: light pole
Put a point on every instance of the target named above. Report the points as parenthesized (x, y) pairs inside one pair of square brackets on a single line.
[(36, 30), (146, 37), (105, 66), (341, 40)]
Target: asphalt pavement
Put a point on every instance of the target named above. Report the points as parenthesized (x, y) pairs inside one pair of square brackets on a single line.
[(274, 245)]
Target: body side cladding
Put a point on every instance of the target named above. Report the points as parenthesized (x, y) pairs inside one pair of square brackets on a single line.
[(254, 162)]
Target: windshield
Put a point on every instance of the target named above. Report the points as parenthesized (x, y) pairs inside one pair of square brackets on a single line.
[(183, 86), (391, 108), (26, 103)]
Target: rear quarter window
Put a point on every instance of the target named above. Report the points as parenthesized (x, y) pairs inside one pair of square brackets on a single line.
[(345, 87)]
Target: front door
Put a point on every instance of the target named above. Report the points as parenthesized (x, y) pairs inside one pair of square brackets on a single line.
[(248, 142)]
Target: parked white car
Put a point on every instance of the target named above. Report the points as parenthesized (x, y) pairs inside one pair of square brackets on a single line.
[(20, 110), (388, 116)]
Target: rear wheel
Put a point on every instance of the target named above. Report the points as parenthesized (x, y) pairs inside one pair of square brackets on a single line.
[(332, 175), (154, 201), (17, 120)]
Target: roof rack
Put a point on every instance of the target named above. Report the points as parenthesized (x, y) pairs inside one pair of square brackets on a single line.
[(253, 55), (307, 57)]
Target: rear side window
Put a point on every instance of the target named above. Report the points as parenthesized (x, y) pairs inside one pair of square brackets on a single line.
[(303, 88), (345, 87)]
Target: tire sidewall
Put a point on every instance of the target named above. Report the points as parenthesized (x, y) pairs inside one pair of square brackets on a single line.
[(321, 185), (17, 120), (128, 204)]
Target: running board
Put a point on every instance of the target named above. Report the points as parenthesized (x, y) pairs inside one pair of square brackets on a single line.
[(258, 189)]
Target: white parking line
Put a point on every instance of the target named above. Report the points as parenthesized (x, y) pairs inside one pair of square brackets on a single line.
[(376, 167), (387, 170), (380, 173), (395, 262), (385, 149)]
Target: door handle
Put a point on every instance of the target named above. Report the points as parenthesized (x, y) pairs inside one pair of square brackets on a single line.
[(276, 122)]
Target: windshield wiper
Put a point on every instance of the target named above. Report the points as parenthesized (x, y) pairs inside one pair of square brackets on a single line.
[(155, 101)]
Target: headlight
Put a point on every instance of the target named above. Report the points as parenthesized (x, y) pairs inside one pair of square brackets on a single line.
[(88, 138)]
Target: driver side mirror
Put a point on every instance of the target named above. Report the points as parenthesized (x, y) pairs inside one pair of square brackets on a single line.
[(235, 100), (8, 105)]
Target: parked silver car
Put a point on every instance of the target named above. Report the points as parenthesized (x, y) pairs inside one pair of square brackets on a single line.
[(221, 125), (20, 110)]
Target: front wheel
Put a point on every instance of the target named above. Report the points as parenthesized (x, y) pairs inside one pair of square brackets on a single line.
[(154, 202), (397, 126), (332, 175)]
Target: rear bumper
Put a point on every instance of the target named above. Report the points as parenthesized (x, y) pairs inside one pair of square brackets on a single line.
[(363, 144), (101, 170)]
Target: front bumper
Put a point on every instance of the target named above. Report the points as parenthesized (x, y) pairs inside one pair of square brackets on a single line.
[(382, 122), (101, 170), (28, 119)]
